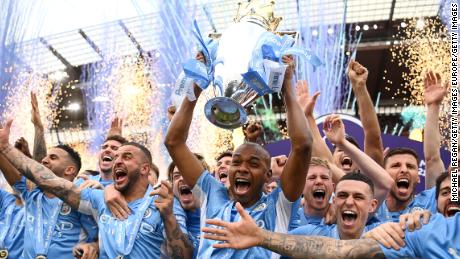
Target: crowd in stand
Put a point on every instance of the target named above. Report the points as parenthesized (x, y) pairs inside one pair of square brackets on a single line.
[(348, 202)]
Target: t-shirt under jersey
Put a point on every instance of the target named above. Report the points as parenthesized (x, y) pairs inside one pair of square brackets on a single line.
[(272, 212), (149, 240), (71, 227), (425, 200), (12, 225), (440, 238)]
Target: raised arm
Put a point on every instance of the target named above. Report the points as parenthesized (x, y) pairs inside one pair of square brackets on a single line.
[(246, 234), (433, 96), (11, 174), (295, 170), (335, 132), (175, 141), (39, 151), (373, 146), (320, 148), (38, 173), (178, 243)]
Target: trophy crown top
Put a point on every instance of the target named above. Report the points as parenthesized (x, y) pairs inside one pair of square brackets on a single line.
[(259, 11)]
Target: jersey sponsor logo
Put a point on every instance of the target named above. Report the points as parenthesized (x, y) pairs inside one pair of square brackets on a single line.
[(146, 228), (64, 226), (416, 209), (65, 209), (260, 207)]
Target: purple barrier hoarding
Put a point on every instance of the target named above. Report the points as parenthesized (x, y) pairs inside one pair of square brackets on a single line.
[(353, 127)]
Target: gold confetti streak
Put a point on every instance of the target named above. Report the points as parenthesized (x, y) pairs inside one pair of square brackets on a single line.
[(421, 49)]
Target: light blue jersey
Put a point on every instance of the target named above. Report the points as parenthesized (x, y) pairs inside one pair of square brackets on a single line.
[(331, 231), (272, 212), (11, 225), (193, 227), (425, 200), (116, 236), (70, 226), (97, 178), (305, 219), (438, 239)]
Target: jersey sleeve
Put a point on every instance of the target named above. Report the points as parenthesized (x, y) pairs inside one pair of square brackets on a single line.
[(426, 200), (211, 193), (21, 187), (418, 241), (180, 215), (6, 199), (91, 201), (285, 210), (307, 230), (90, 226)]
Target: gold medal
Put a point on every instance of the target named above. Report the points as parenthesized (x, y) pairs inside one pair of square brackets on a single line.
[(41, 257), (3, 254)]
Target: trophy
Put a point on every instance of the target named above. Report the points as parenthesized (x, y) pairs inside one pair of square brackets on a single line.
[(246, 63)]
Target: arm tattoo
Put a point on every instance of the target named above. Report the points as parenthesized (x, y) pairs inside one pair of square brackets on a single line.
[(39, 151), (43, 177), (178, 244), (320, 247)]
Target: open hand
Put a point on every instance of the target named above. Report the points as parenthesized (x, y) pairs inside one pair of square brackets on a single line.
[(306, 101), (116, 127), (5, 134), (435, 91), (35, 113), (236, 235), (389, 234), (334, 129), (116, 203), (165, 200)]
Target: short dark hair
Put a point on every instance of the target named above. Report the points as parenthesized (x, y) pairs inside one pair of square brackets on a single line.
[(172, 165), (358, 176), (224, 154), (117, 138), (443, 176), (74, 156), (91, 172), (155, 169), (142, 148), (401, 151), (350, 139)]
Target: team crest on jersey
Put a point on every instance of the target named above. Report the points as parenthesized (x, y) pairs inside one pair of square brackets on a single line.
[(65, 209), (147, 213), (260, 207)]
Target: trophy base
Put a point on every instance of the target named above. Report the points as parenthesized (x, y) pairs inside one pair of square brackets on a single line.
[(225, 113)]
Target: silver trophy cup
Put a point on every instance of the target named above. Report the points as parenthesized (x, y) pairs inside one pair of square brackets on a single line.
[(236, 47)]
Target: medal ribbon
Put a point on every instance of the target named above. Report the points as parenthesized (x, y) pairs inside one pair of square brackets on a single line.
[(122, 230), (42, 243), (7, 224)]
